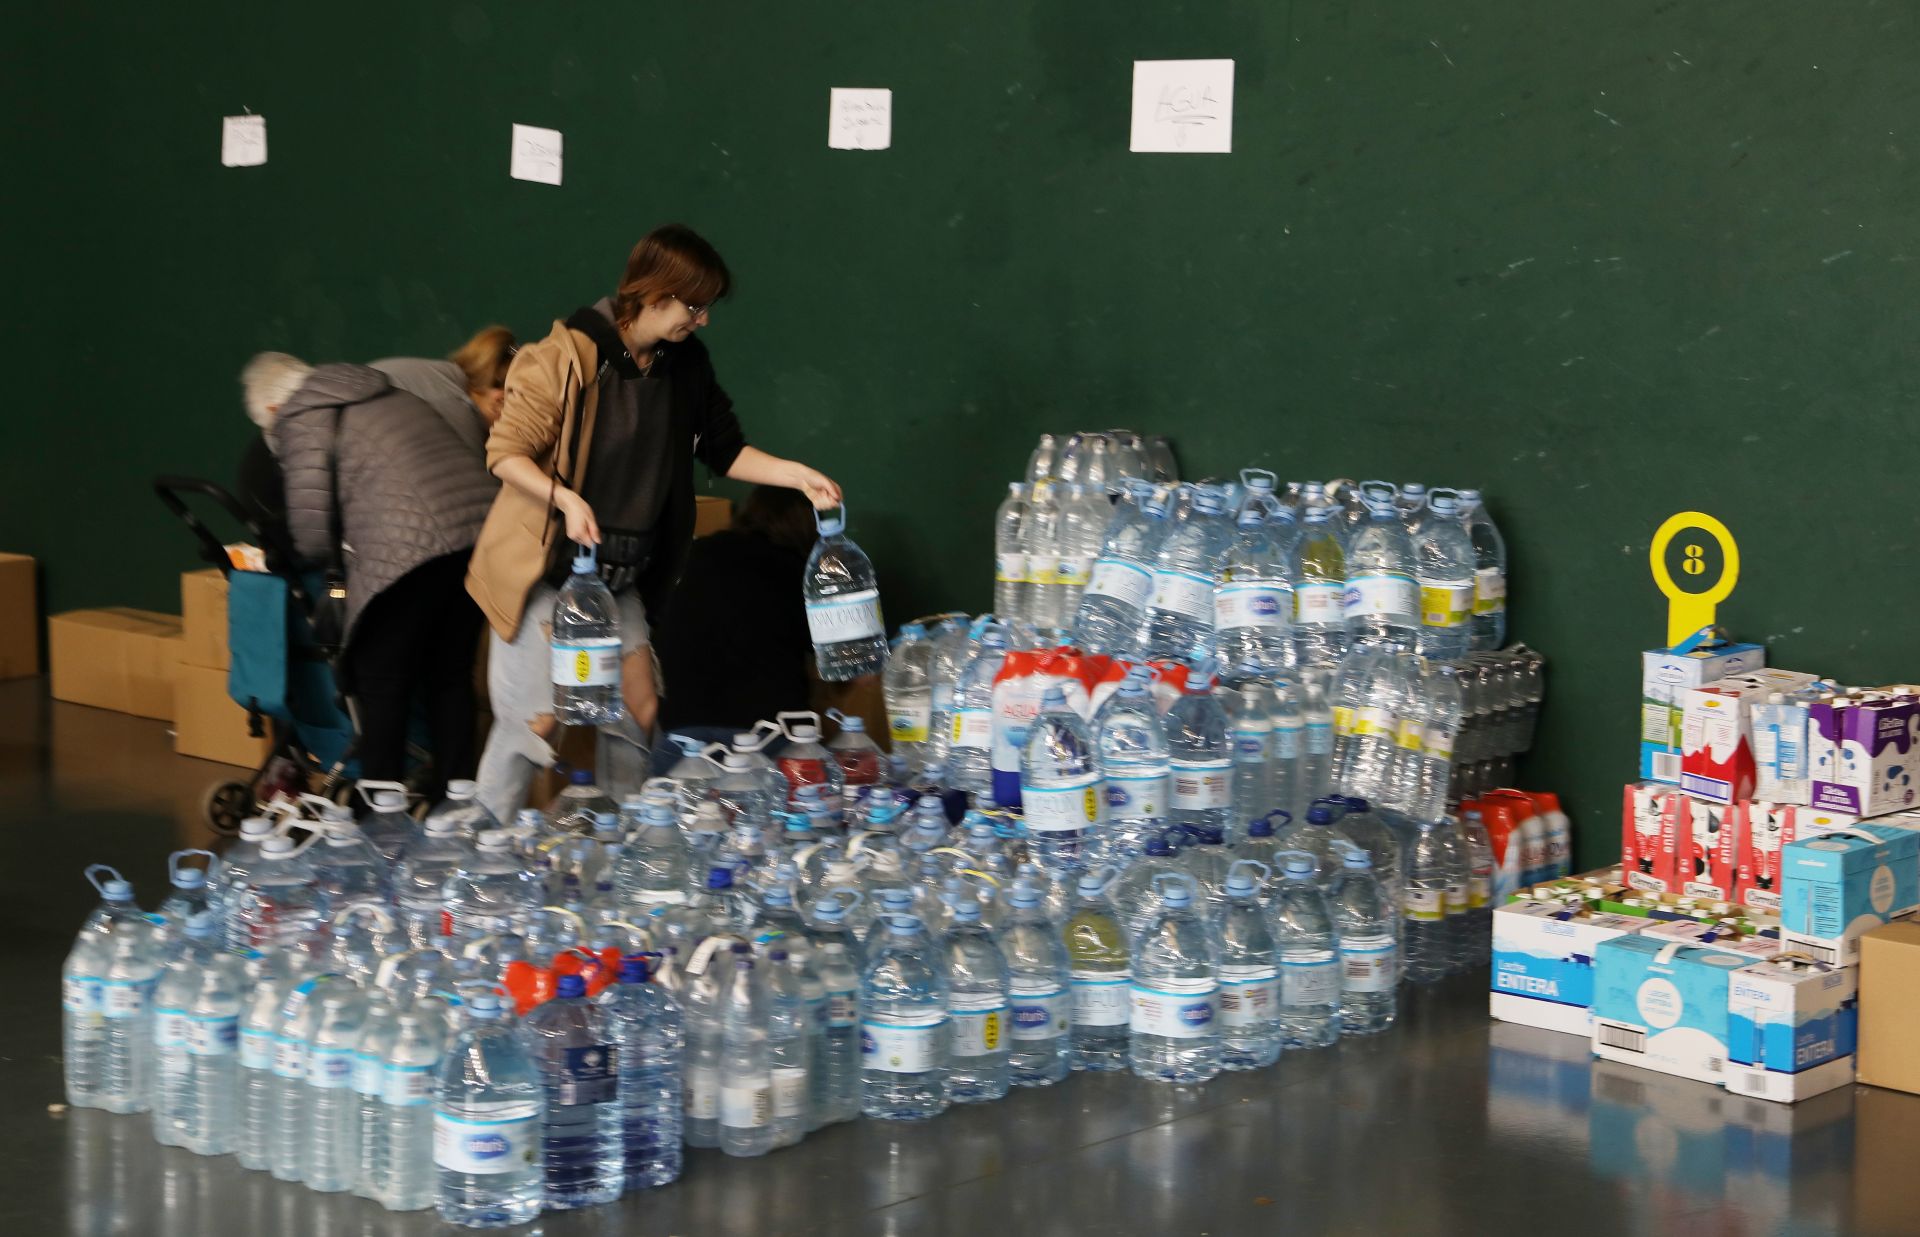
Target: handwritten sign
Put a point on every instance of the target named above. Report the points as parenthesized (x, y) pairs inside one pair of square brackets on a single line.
[(1182, 107), (243, 141), (859, 119), (536, 155)]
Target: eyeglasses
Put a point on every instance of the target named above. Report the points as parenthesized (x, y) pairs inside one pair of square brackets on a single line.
[(696, 311)]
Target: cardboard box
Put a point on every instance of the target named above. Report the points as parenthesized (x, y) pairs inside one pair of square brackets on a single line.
[(203, 619), (118, 659), (209, 725), (1757, 948), (1840, 886), (711, 514), (19, 617), (1542, 972), (1792, 1026), (1716, 732), (1664, 674), (1662, 1005), (1862, 755), (1890, 1007), (1781, 773)]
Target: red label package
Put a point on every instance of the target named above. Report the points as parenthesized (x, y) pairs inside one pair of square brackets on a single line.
[(1653, 821)]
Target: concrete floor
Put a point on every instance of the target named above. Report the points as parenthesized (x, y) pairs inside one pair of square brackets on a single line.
[(1449, 1123)]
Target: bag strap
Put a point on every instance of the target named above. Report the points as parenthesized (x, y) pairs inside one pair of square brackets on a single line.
[(572, 427), (336, 564)]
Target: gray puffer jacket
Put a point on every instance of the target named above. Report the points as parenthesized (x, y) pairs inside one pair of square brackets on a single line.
[(410, 490)]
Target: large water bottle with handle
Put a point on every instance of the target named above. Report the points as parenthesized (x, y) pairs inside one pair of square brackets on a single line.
[(1444, 566), (1489, 575), (1382, 602), (1253, 603), (586, 648), (1180, 613), (488, 1108), (196, 1034), (1113, 607), (842, 597), (1176, 992), (106, 1001), (1060, 783)]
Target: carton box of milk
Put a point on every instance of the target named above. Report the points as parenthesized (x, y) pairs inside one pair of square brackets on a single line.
[(1716, 734), (1543, 962), (1662, 1005), (1663, 675), (1839, 886), (1862, 754), (1791, 1029)]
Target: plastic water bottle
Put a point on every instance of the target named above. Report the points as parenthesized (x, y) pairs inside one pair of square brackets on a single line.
[(1380, 701), (861, 761), (1010, 555), (652, 869), (648, 1039), (805, 761), (1201, 756), (1363, 920), (1253, 603), (196, 1035), (490, 883), (586, 648), (1361, 827), (1175, 1020), (373, 1167), (909, 692), (279, 907), (106, 1012), (1309, 962), (977, 983), (1430, 871), (843, 605), (290, 1129), (904, 1028), (1249, 976), (1040, 464), (746, 1073), (387, 826), (1040, 997), (426, 866), (1250, 709), (270, 978), (1476, 926), (1060, 784), (571, 1044), (1382, 601), (840, 1064), (789, 1047), (348, 869), (970, 736), (1319, 592), (1180, 613), (408, 1060), (333, 1108), (488, 1107), (1318, 836), (1134, 892), (1130, 744), (1444, 568), (190, 894), (1316, 744), (952, 647), (1040, 538), (706, 980), (1489, 575), (1085, 513), (1102, 976), (1289, 749), (1113, 607)]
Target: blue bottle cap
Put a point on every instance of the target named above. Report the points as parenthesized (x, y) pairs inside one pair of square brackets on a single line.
[(1023, 894), (850, 723), (966, 910), (1298, 864), (830, 910), (717, 878), (482, 1005), (201, 925), (993, 638), (567, 987), (1157, 847), (1259, 827), (913, 631), (1175, 890), (582, 777), (893, 900), (1091, 884), (776, 955), (1318, 814), (1055, 698), (1356, 859), (903, 924), (1355, 805), (635, 969)]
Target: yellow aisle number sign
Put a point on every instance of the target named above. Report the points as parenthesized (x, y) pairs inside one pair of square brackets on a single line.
[(1696, 564)]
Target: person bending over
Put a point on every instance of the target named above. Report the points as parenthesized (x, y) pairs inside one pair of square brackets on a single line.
[(595, 444), (467, 388)]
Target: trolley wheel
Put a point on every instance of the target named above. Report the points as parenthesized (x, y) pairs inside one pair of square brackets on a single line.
[(228, 804)]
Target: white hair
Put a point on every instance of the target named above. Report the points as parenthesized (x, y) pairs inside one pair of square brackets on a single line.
[(268, 381)]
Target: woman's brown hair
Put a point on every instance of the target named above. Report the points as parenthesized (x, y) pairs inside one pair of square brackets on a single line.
[(675, 261), (483, 359)]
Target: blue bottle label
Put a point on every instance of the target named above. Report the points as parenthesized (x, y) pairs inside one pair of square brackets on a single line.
[(1176, 1008), (587, 1076), (487, 1139)]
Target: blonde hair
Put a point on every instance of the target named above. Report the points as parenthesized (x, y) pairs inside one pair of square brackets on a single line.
[(483, 359), (268, 381)]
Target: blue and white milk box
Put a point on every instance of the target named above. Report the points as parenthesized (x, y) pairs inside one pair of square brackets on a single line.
[(1665, 674), (1839, 886), (1791, 1029), (1662, 1005), (1543, 962)]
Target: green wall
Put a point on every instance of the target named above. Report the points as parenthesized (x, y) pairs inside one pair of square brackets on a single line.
[(1607, 261)]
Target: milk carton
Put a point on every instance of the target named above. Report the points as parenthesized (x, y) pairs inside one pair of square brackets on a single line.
[(1663, 674), (1716, 744), (1792, 1027), (1655, 819), (1764, 828), (1710, 867), (1781, 773), (1863, 755), (1839, 886), (1543, 962), (1662, 1005)]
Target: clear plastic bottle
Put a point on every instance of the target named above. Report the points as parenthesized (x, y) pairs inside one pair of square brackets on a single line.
[(1180, 614), (1361, 827), (952, 647), (1010, 555), (977, 982), (1489, 575), (1040, 998), (332, 1106), (649, 1039), (1040, 538), (839, 973), (1175, 1021), (1430, 870), (490, 883), (280, 905), (1444, 569), (1317, 740), (289, 1126), (1134, 891), (1317, 835), (1060, 784), (586, 648), (1253, 603), (789, 1048), (1113, 607), (708, 976), (970, 733), (1440, 725), (843, 605), (1085, 513), (1309, 963), (427, 864), (1288, 749), (904, 1028), (373, 1169), (1250, 707), (410, 1059), (1476, 926), (1382, 603), (1040, 464), (1101, 974), (1319, 592), (1200, 755), (189, 894), (1365, 926), (387, 826), (652, 869), (570, 1042), (1260, 844), (805, 760), (106, 1009), (909, 692), (746, 1071), (1130, 743), (488, 1107), (1380, 710), (861, 761), (196, 1035), (348, 869), (271, 976), (1249, 973)]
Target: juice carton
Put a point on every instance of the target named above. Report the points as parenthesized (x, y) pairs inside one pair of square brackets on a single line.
[(1792, 1027), (1841, 885), (1863, 756), (1663, 674), (1543, 962), (1711, 864), (1654, 818), (1662, 1005)]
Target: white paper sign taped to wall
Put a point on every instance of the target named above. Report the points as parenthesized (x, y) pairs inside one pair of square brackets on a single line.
[(243, 141), (536, 155), (1182, 107), (859, 119)]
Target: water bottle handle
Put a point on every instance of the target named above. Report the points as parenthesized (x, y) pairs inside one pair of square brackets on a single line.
[(100, 885), (1281, 812), (719, 762), (1266, 873), (383, 974), (837, 717), (174, 865), (367, 784), (380, 913), (688, 746), (579, 924), (820, 511), (786, 728), (1272, 477), (767, 735)]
